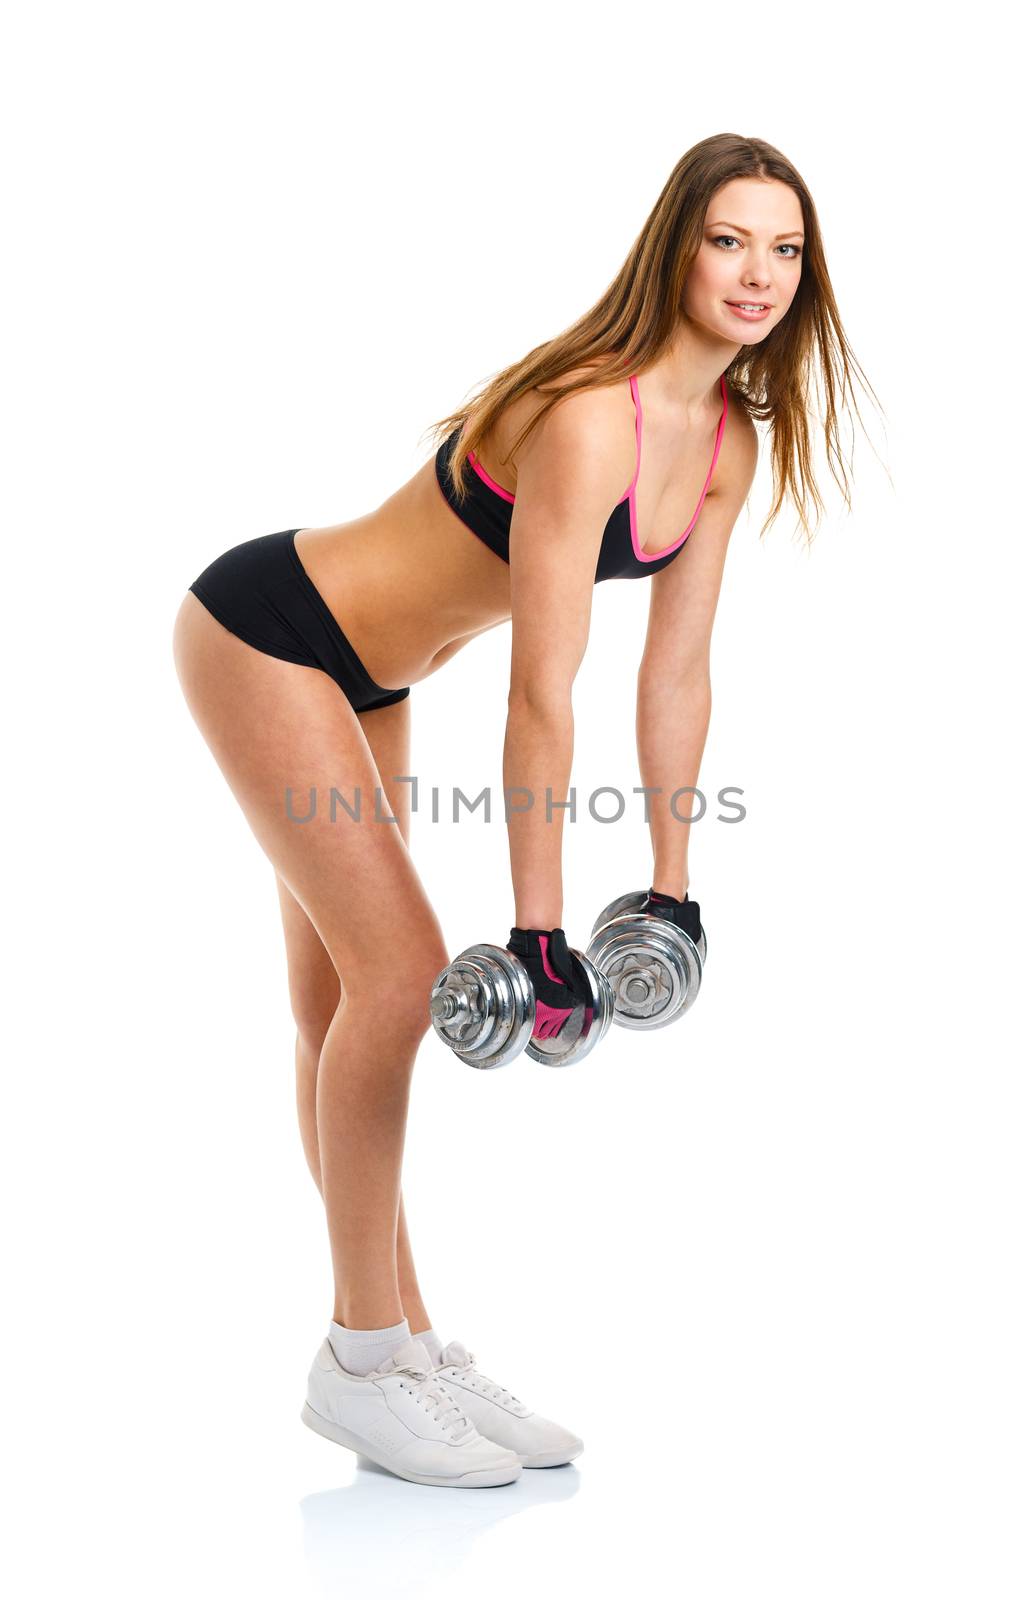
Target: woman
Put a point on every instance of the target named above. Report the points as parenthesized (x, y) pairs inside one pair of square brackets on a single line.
[(712, 321)]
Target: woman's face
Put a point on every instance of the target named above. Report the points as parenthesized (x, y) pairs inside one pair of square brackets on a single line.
[(751, 254)]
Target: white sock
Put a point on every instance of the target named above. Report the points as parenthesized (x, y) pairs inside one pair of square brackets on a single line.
[(432, 1343), (361, 1350)]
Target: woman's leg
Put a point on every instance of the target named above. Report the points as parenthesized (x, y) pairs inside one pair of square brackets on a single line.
[(308, 1045), (316, 989), (315, 992), (389, 735), (271, 726)]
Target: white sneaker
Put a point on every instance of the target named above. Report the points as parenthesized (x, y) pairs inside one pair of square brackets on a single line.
[(403, 1419), (500, 1416)]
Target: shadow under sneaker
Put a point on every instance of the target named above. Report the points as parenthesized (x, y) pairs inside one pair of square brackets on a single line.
[(402, 1418)]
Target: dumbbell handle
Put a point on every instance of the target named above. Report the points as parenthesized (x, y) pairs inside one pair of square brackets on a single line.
[(451, 1001)]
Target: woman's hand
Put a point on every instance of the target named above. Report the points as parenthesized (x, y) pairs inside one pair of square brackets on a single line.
[(685, 914), (559, 983)]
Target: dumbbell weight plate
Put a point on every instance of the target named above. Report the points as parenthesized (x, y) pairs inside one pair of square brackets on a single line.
[(482, 1006), (654, 969), (631, 902), (578, 1037)]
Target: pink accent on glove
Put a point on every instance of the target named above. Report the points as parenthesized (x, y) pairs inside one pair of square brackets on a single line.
[(549, 1019)]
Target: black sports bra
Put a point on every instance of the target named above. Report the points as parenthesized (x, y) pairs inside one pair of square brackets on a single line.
[(487, 508)]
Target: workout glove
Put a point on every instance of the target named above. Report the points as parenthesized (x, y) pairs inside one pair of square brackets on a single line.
[(685, 914), (559, 983)]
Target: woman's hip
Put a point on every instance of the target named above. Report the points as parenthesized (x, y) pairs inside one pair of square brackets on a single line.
[(260, 592)]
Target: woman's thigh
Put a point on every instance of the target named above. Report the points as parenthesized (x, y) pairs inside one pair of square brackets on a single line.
[(274, 726), (388, 734)]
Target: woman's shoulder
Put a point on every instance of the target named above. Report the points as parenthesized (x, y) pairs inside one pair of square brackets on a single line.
[(597, 406), (590, 420), (586, 440)]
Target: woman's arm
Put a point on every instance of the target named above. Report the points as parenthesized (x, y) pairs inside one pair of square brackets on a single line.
[(571, 472), (674, 696)]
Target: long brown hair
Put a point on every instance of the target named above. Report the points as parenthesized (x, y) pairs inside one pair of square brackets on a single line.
[(637, 315)]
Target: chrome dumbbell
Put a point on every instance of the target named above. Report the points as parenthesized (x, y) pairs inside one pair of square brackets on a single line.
[(483, 1007), (653, 967)]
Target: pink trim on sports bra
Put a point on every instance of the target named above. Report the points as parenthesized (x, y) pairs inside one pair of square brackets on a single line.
[(655, 555), (488, 480), (630, 493)]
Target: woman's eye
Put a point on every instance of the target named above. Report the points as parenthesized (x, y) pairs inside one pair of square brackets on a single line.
[(795, 248)]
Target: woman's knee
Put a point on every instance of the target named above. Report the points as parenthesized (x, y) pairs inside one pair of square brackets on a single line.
[(314, 1001), (397, 991)]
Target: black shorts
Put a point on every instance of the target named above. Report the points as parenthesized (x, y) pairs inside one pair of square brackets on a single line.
[(260, 591)]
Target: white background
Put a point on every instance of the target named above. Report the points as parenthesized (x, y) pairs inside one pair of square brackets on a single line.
[(766, 1263)]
